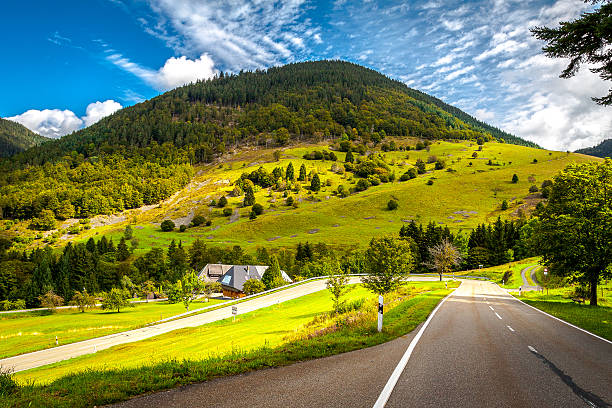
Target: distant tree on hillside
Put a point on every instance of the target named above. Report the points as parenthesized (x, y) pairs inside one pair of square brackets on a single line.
[(420, 166), (315, 184), (290, 172), (128, 233), (302, 176), (50, 300), (122, 252), (349, 157), (515, 179), (249, 196), (272, 277), (167, 225), (337, 284), (253, 286), (584, 40)]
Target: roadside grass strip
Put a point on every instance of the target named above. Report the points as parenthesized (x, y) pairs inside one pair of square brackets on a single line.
[(293, 331), (26, 332)]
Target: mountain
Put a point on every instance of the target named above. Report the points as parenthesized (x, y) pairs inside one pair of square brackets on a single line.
[(144, 153), (604, 149), (15, 138)]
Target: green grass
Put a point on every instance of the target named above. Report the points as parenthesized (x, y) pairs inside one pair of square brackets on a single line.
[(98, 387), (26, 332), (597, 320), (350, 222), (496, 273)]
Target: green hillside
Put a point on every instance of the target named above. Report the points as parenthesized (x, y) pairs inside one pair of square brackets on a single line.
[(143, 154), (15, 138), (604, 149)]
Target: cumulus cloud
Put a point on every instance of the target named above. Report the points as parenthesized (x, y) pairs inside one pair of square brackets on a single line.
[(55, 123), (97, 110), (174, 73)]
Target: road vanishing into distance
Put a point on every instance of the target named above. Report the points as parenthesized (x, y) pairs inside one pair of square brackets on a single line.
[(479, 348), (48, 356)]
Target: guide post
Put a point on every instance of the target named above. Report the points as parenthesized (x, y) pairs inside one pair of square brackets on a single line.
[(380, 312)]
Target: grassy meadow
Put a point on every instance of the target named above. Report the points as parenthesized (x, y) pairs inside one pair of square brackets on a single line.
[(107, 384), (26, 332), (597, 320), (470, 194)]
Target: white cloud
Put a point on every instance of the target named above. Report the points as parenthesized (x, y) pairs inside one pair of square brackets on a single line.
[(484, 115), (55, 123), (97, 110), (459, 72), (246, 35), (174, 73), (506, 47)]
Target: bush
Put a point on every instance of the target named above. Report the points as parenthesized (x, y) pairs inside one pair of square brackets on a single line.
[(222, 202), (392, 205), (504, 205), (420, 166), (213, 203), (253, 286), (474, 155), (167, 225), (546, 192), (362, 185), (182, 228), (440, 164), (208, 223), (507, 276), (289, 201), (8, 385), (198, 220), (480, 141), (533, 189), (419, 146), (432, 159), (515, 179), (257, 209), (227, 212), (430, 182), (252, 215)]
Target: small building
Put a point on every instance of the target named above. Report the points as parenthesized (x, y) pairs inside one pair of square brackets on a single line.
[(234, 276)]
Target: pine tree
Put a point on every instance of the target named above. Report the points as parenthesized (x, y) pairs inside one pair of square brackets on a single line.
[(122, 250), (315, 184), (349, 157), (249, 196), (290, 173), (302, 176)]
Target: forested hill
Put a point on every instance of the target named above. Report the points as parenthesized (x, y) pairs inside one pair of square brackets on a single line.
[(604, 149), (15, 138), (144, 153)]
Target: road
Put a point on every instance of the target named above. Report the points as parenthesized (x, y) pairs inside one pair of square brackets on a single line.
[(43, 357), (482, 348), (531, 271)]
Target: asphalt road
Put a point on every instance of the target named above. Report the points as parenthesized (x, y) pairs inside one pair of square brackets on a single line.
[(43, 357), (482, 348), (531, 271)]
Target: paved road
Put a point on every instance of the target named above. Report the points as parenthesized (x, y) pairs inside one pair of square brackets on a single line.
[(482, 348), (52, 355), (531, 271)]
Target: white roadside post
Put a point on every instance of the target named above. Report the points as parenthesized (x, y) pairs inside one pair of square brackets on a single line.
[(545, 279), (234, 312), (380, 312)]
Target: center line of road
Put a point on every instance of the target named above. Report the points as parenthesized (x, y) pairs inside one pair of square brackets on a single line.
[(491, 308), (498, 316), (386, 392), (511, 329), (532, 349)]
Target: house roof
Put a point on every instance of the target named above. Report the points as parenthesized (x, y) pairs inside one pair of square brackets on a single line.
[(213, 271), (236, 275)]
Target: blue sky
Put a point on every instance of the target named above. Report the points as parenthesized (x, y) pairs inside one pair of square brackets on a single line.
[(67, 64)]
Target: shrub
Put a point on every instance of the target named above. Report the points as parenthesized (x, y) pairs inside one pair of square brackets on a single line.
[(362, 185), (8, 385), (198, 220), (515, 179), (222, 202), (374, 181), (507, 276), (227, 212), (252, 215), (315, 184), (535, 161), (167, 225), (504, 205), (392, 205), (430, 182), (440, 164), (289, 201), (546, 192), (213, 203), (419, 146), (257, 209), (44, 222), (480, 141), (474, 155), (533, 189), (253, 286), (432, 159), (208, 223), (182, 228)]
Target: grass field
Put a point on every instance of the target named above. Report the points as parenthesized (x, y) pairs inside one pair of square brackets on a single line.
[(470, 194), (25, 332), (597, 320), (99, 387), (265, 327), (496, 273)]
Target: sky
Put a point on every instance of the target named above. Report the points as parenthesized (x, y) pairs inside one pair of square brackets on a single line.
[(67, 64)]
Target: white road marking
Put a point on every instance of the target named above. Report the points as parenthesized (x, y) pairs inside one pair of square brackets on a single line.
[(532, 349), (498, 316), (491, 308), (511, 329), (386, 392)]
